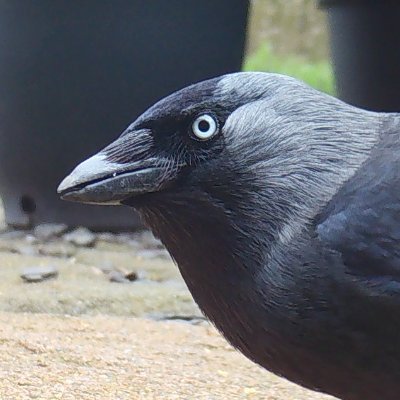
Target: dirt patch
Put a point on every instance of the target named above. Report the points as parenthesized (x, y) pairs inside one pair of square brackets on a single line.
[(103, 357)]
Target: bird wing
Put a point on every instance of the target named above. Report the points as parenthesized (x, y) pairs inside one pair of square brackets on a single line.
[(362, 221)]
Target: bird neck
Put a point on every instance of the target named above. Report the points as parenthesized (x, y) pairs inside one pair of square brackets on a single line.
[(219, 253), (225, 261)]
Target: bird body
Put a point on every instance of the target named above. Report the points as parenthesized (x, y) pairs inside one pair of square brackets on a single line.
[(280, 206)]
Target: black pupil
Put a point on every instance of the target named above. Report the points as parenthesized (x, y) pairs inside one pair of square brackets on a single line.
[(204, 125)]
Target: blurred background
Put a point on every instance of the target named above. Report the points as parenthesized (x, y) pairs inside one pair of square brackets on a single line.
[(291, 39)]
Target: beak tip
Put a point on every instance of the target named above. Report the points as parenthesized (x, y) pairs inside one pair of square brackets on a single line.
[(64, 185), (87, 170)]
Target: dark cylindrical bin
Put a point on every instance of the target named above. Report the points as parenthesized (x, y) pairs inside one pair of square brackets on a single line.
[(73, 74), (365, 44)]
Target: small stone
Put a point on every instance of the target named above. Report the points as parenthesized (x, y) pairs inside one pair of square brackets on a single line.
[(32, 278), (48, 231), (57, 249), (39, 274), (82, 237), (18, 246), (26, 250), (132, 276), (118, 277), (122, 277)]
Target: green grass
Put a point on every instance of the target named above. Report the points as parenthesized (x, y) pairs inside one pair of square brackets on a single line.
[(317, 74)]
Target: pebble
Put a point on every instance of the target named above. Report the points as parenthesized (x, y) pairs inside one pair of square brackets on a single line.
[(48, 231), (120, 277), (117, 276), (82, 237), (132, 276), (39, 273), (57, 249), (26, 250), (18, 246)]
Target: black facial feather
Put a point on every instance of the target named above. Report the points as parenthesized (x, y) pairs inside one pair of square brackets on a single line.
[(168, 132), (121, 150)]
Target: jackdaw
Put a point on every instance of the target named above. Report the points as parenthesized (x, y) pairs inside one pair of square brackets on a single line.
[(280, 206)]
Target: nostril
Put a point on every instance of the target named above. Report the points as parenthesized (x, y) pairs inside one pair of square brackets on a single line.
[(28, 204)]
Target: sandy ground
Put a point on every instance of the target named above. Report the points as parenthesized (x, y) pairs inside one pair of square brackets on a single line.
[(80, 336), (105, 357)]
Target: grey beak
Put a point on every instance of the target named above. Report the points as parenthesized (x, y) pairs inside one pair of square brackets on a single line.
[(90, 169), (101, 181)]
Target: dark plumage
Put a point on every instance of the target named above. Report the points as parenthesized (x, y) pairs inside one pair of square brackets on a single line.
[(282, 213)]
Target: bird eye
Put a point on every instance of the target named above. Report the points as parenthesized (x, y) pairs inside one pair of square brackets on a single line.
[(204, 127)]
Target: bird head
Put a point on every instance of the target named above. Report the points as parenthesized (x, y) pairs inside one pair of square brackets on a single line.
[(263, 145)]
